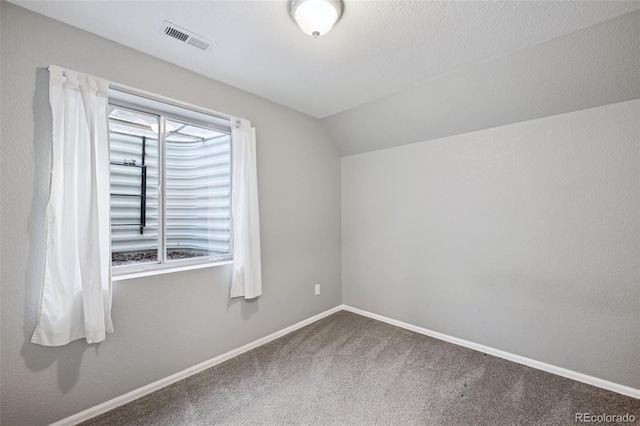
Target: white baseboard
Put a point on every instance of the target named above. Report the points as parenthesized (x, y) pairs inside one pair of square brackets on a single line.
[(570, 374), (152, 387)]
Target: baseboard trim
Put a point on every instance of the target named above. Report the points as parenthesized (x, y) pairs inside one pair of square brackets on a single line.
[(152, 387), (570, 374)]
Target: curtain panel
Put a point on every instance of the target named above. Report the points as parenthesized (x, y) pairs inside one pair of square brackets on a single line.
[(76, 295), (246, 279)]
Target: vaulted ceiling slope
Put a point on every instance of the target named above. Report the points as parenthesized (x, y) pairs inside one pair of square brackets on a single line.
[(595, 66), (378, 48)]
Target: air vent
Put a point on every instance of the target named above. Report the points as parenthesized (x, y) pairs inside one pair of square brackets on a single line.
[(186, 36)]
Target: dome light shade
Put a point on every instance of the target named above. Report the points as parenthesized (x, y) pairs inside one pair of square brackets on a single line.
[(316, 17)]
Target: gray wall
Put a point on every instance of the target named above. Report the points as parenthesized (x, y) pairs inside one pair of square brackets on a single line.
[(522, 238), (166, 323)]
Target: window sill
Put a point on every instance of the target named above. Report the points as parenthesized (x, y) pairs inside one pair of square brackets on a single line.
[(167, 270)]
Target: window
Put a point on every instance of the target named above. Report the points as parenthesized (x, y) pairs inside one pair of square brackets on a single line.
[(148, 181), (170, 185)]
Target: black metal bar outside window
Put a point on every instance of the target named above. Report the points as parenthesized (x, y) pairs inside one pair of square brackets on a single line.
[(143, 188)]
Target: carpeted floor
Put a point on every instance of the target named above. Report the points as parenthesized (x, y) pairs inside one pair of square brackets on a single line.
[(347, 369)]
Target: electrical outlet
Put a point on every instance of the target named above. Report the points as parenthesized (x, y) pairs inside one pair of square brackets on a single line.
[(317, 289)]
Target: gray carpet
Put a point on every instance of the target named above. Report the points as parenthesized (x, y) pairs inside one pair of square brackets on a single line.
[(347, 369)]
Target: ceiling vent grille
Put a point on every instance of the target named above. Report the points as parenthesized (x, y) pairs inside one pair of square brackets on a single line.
[(186, 36)]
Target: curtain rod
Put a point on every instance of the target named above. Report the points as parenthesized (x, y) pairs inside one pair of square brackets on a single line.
[(153, 96)]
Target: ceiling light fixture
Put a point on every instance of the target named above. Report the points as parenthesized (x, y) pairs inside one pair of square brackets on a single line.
[(316, 17)]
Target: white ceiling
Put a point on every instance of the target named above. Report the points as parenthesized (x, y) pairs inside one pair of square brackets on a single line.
[(377, 49), (595, 66)]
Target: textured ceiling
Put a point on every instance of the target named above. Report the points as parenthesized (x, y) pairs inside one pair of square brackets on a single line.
[(598, 65), (377, 49)]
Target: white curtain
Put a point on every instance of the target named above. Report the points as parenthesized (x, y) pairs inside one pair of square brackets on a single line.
[(76, 294), (246, 279)]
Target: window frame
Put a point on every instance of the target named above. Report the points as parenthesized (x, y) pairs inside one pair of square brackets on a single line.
[(162, 266)]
